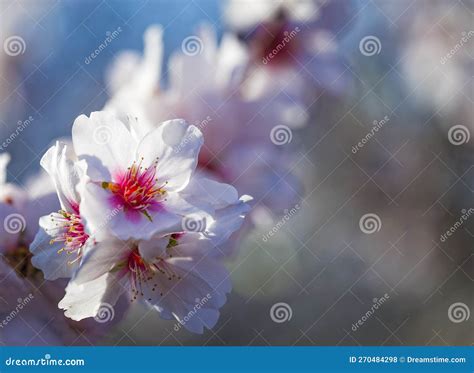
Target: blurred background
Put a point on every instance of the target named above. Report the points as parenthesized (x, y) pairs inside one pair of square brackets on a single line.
[(380, 146)]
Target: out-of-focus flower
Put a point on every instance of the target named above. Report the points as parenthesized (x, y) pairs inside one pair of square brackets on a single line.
[(437, 62), (139, 186), (21, 206), (134, 80), (10, 194), (243, 15), (206, 90), (293, 46)]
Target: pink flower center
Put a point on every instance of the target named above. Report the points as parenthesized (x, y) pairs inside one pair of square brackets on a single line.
[(72, 234), (136, 189)]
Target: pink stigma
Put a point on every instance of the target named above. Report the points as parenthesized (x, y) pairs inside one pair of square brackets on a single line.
[(136, 190)]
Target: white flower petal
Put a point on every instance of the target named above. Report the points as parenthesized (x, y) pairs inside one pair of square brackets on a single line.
[(104, 142), (176, 146), (228, 220), (156, 247), (85, 300), (100, 259), (65, 174), (45, 254), (4, 160), (210, 192), (203, 317), (194, 300), (215, 277)]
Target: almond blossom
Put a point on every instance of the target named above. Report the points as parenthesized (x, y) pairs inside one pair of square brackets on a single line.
[(28, 304), (61, 239), (293, 45), (147, 181), (162, 242), (206, 89), (170, 273)]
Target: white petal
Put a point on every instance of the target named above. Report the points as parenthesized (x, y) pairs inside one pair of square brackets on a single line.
[(45, 254), (228, 220), (197, 319), (101, 259), (211, 192), (86, 299), (176, 146), (156, 247), (195, 299), (214, 274), (195, 244), (65, 173), (4, 160), (194, 215), (104, 142)]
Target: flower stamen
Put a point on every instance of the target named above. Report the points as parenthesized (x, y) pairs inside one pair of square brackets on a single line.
[(71, 232), (137, 189), (142, 273)]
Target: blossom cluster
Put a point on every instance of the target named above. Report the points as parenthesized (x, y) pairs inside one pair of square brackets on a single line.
[(139, 206), (136, 221)]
